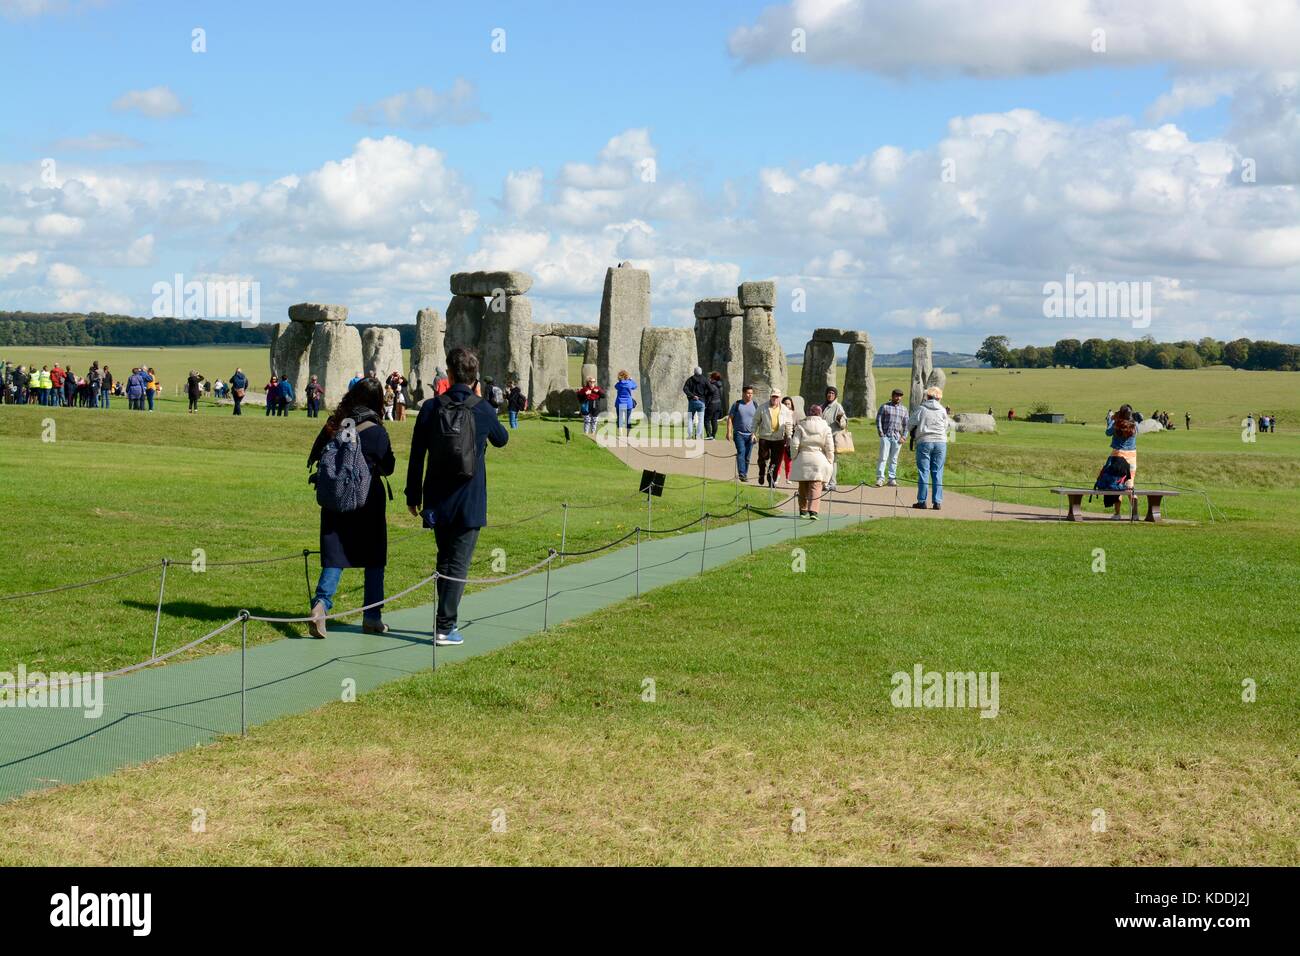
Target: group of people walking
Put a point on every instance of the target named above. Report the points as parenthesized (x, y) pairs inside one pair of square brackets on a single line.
[(446, 488)]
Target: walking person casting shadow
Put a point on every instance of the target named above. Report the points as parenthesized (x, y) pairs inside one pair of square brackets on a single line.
[(352, 454), (452, 431)]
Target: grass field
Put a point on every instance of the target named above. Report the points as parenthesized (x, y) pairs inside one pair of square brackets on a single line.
[(1121, 691)]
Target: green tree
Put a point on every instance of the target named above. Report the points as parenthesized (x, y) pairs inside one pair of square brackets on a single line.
[(1066, 352), (996, 351)]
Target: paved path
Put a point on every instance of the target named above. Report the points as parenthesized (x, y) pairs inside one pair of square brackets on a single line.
[(168, 708), (718, 462)]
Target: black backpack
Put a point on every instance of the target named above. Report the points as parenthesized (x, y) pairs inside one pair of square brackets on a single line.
[(1114, 475), (454, 449)]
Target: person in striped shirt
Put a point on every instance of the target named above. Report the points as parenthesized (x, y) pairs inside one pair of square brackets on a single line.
[(891, 425)]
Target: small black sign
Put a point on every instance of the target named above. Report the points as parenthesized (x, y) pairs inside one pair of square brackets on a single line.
[(652, 482)]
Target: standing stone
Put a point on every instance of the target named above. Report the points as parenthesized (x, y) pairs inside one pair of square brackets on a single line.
[(624, 314), (549, 376), (427, 356), (728, 357), (818, 371), (465, 323), (506, 350), (590, 368), (936, 379), (381, 350), (290, 352), (764, 363), (335, 358), (667, 361), (922, 366), (706, 339), (859, 398)]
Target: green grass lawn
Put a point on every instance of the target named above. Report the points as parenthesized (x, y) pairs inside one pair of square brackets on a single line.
[(1120, 690)]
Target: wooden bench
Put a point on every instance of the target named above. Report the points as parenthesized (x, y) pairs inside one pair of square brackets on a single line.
[(1153, 496)]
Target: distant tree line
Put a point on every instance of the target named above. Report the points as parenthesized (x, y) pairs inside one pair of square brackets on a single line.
[(98, 328), (1258, 355)]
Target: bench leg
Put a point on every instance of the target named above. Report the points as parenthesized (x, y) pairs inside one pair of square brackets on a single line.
[(1076, 501), (1153, 507), (1133, 507)]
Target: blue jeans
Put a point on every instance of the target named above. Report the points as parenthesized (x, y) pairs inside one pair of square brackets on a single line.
[(149, 395), (104, 396), (624, 419), (930, 456), (695, 421), (744, 447), (328, 583), (514, 418)]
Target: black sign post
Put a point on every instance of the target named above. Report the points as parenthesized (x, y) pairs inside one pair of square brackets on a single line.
[(652, 483)]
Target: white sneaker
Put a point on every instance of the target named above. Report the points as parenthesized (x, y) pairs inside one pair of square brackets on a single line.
[(880, 482), (1116, 517)]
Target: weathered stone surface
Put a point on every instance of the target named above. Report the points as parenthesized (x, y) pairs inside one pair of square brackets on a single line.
[(624, 313), (667, 361), (335, 358), (506, 347), (922, 366), (589, 370), (427, 356), (843, 336), (818, 371), (760, 295), (978, 422), (1148, 425), (550, 370), (764, 358), (936, 379), (859, 398), (563, 402), (290, 355), (316, 312), (712, 308), (592, 351), (487, 283), (381, 351), (729, 356), (574, 330), (464, 323)]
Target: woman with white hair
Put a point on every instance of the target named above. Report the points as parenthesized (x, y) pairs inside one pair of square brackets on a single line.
[(929, 427), (812, 459)]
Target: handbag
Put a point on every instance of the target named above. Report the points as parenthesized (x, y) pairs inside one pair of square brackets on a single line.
[(844, 443)]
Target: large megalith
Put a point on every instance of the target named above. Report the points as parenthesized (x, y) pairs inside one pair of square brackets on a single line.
[(922, 366), (590, 364), (719, 342), (290, 354), (550, 373), (335, 358), (859, 398), (381, 351), (764, 357), (818, 371), (427, 355), (667, 360), (506, 352), (624, 314)]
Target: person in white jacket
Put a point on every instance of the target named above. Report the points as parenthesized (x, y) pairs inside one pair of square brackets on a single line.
[(929, 425), (772, 427), (812, 460)]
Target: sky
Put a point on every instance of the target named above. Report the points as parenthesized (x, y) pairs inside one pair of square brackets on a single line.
[(904, 168)]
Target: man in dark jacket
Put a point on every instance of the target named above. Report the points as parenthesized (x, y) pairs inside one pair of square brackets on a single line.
[(456, 507), (696, 390)]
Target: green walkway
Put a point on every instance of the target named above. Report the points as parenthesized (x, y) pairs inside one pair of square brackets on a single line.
[(165, 709)]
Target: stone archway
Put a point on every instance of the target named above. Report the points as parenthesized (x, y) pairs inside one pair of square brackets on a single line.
[(859, 398)]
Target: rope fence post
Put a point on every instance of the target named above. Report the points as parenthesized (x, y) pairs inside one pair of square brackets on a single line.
[(648, 499), (306, 574), (749, 526), (546, 601), (243, 673), (638, 562), (564, 530), (157, 619), (704, 545), (704, 477), (433, 643), (862, 490), (994, 504)]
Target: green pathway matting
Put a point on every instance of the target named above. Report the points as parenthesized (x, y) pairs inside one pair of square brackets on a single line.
[(165, 709)]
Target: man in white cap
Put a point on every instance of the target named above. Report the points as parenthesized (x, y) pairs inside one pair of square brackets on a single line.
[(772, 428), (696, 390)]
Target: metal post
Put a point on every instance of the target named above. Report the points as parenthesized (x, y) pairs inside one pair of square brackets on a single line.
[(162, 586), (243, 672), (433, 644), (794, 519), (638, 562), (862, 490), (994, 504), (546, 602), (648, 523), (306, 575), (705, 545), (704, 476), (564, 530), (749, 526)]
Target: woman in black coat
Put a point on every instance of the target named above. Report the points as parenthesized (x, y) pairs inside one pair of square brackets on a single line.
[(356, 539), (194, 388)]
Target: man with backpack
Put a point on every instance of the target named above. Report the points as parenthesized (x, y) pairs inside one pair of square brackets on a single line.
[(452, 431), (238, 387)]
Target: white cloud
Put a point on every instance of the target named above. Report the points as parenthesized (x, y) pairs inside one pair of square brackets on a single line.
[(97, 142), (1010, 37), (424, 107), (157, 102)]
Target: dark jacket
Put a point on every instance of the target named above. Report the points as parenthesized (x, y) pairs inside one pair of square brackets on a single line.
[(194, 386), (515, 400), (715, 397), (239, 380), (697, 388), (455, 503), (359, 539)]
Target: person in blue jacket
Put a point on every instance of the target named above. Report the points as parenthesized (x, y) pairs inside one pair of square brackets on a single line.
[(624, 402), (286, 397), (455, 506)]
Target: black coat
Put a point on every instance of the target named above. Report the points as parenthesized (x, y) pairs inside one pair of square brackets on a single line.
[(359, 539), (455, 502)]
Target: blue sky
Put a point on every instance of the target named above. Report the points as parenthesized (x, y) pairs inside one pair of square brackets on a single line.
[(276, 93)]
